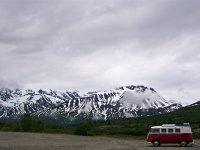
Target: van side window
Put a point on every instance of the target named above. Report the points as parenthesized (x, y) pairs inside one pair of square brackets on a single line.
[(170, 130), (178, 130), (155, 130), (163, 130)]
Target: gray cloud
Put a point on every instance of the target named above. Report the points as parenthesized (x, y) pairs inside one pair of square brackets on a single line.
[(100, 44), (8, 83)]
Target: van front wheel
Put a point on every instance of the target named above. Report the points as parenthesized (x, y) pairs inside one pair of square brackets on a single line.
[(183, 143), (156, 143)]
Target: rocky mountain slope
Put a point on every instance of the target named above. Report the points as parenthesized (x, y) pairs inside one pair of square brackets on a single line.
[(129, 101)]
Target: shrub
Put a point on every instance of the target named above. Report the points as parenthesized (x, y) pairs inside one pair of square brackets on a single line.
[(83, 129)]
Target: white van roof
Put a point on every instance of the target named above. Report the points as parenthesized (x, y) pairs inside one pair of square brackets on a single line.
[(171, 125), (168, 125)]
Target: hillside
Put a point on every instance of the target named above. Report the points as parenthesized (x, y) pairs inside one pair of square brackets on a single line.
[(141, 125)]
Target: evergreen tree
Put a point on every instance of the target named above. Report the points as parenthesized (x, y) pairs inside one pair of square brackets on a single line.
[(26, 122)]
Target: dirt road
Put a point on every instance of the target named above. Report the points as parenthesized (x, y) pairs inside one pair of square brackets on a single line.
[(35, 141)]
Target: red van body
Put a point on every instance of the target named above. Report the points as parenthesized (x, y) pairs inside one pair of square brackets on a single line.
[(170, 133)]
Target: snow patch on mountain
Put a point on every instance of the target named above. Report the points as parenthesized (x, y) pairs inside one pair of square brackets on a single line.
[(143, 98)]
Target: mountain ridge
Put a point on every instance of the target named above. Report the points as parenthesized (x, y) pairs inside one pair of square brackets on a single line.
[(125, 101)]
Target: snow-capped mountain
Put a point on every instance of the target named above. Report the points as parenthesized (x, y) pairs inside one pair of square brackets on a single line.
[(129, 101), (17, 102)]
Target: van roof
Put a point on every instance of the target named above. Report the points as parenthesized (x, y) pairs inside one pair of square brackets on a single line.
[(171, 125), (168, 125)]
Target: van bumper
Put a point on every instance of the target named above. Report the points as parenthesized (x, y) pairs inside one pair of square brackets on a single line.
[(191, 143), (148, 143)]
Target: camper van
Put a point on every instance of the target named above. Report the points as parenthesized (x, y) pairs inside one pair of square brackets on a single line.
[(170, 133)]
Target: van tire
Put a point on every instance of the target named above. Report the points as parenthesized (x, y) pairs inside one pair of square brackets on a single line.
[(156, 143), (183, 144)]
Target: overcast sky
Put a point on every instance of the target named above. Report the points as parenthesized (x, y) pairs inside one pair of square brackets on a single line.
[(100, 44)]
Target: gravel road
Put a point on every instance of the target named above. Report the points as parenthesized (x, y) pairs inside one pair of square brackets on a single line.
[(38, 141)]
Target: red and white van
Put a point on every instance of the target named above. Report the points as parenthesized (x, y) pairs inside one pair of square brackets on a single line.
[(170, 133)]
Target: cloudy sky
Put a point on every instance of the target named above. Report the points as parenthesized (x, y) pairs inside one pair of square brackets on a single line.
[(100, 44)]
